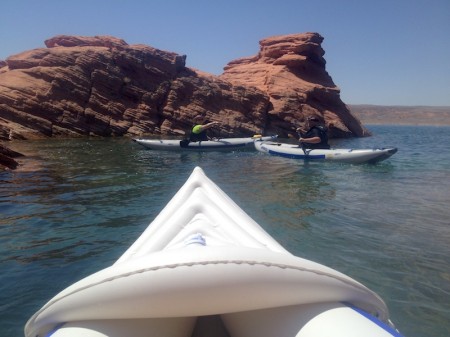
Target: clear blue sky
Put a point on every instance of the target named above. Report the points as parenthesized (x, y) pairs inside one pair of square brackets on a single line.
[(384, 52)]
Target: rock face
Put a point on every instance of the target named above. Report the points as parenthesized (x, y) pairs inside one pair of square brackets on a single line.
[(290, 69), (102, 86)]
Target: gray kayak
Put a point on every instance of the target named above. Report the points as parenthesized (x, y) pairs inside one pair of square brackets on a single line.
[(220, 144), (352, 156)]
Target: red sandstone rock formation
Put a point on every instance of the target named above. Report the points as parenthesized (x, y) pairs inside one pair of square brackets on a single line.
[(291, 70), (103, 86)]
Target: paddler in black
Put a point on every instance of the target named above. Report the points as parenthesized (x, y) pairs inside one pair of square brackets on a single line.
[(316, 137)]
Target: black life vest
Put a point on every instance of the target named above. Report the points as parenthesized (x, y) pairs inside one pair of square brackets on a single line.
[(318, 131)]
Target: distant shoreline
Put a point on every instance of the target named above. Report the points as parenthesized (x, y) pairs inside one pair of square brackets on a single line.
[(401, 115)]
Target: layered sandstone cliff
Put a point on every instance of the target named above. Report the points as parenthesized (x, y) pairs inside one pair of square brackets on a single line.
[(102, 86)]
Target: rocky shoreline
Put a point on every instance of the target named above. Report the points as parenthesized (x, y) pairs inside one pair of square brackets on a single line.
[(368, 114), (102, 86)]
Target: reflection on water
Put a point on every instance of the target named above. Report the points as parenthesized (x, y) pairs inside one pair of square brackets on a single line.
[(75, 206)]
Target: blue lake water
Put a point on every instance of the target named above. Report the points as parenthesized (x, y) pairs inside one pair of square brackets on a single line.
[(77, 204)]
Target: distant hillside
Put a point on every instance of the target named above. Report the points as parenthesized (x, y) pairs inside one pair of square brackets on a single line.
[(406, 115)]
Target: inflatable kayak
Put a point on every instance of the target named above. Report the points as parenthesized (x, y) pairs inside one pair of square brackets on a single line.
[(220, 144), (203, 267), (353, 156)]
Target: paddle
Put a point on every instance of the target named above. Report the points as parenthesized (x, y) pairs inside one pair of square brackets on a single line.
[(302, 145)]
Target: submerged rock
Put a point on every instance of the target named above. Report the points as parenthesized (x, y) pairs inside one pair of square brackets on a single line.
[(6, 158)]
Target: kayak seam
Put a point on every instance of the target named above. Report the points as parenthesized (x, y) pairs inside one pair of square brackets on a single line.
[(352, 283)]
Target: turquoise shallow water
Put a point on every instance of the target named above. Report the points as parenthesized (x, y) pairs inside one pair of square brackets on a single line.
[(76, 205)]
